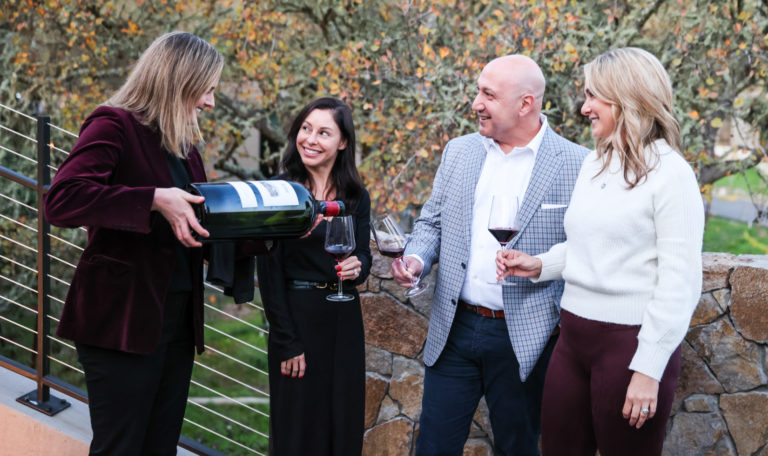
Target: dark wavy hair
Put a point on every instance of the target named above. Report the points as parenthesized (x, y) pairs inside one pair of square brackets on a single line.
[(344, 176)]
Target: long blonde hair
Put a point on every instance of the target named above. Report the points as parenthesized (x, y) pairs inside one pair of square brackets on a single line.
[(639, 90), (170, 77)]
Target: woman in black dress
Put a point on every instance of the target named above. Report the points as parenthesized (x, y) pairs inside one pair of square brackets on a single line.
[(316, 347)]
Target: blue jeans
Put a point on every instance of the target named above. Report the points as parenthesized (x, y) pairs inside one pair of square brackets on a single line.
[(478, 360)]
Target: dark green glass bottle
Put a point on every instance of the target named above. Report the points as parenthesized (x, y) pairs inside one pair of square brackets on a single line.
[(273, 209)]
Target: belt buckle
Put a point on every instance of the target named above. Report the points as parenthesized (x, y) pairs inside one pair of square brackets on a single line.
[(331, 286)]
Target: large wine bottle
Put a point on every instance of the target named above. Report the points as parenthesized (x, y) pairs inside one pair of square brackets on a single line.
[(273, 209)]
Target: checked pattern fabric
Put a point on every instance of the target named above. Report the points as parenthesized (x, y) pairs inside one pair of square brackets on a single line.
[(442, 233)]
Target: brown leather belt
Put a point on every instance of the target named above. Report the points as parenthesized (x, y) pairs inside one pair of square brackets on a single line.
[(488, 313), (482, 311)]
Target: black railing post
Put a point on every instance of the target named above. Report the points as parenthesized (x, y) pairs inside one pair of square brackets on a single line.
[(41, 398)]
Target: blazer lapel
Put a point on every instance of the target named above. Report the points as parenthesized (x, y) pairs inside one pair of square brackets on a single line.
[(545, 171), (474, 166)]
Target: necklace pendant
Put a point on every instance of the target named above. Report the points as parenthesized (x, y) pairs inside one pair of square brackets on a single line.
[(602, 186)]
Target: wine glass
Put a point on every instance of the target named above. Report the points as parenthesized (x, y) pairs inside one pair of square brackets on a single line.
[(503, 222), (340, 242), (391, 243)]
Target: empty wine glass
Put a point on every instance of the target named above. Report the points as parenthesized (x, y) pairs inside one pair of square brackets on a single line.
[(340, 242), (503, 222), (390, 241)]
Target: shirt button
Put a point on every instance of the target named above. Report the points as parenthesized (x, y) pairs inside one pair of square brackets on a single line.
[(463, 266)]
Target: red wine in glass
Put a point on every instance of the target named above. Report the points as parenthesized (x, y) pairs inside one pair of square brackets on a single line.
[(503, 222), (392, 252), (503, 235), (340, 242), (339, 251)]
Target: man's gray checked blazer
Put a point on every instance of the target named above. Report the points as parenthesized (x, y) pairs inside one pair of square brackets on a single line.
[(442, 232)]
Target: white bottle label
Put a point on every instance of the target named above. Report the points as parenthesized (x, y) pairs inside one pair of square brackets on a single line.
[(276, 193), (246, 194)]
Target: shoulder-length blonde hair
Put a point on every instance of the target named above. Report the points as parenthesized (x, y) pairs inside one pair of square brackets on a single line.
[(639, 90), (163, 89)]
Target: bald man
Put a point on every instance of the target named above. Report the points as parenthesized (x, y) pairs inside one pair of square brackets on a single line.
[(484, 338)]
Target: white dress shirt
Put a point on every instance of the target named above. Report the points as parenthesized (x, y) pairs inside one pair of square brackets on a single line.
[(502, 173)]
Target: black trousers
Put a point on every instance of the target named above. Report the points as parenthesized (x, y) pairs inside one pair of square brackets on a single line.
[(137, 402), (321, 414)]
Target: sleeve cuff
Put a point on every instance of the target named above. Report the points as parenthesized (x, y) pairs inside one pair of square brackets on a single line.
[(418, 258), (551, 268), (650, 360)]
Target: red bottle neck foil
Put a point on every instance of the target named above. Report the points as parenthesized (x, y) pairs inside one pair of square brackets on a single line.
[(332, 208)]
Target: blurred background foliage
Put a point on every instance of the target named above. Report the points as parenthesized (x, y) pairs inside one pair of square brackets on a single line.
[(407, 68)]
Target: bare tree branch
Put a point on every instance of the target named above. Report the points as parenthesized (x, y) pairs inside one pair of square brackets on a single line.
[(240, 172), (260, 124), (646, 15), (710, 172)]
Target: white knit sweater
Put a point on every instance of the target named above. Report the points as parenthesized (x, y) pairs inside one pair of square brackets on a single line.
[(634, 256)]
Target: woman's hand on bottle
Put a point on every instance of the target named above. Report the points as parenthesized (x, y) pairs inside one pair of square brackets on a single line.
[(515, 263), (640, 403), (320, 218), (349, 269), (294, 367), (176, 206)]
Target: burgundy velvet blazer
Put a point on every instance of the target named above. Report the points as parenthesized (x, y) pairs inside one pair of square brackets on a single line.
[(107, 184)]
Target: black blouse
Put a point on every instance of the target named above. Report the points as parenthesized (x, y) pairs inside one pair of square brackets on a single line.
[(306, 259)]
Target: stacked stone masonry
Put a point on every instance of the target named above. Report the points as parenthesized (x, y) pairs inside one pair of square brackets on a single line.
[(721, 402)]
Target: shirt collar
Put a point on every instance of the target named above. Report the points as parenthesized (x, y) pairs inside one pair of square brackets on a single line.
[(533, 145)]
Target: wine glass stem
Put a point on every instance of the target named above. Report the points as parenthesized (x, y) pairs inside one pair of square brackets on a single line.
[(338, 291), (414, 280)]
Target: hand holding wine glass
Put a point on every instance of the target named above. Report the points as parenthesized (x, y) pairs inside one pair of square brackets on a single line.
[(503, 222), (515, 263), (390, 241), (340, 242)]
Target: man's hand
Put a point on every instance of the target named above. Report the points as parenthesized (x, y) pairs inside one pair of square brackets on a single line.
[(406, 271), (176, 206)]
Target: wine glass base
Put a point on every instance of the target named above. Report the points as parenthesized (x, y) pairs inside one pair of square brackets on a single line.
[(416, 290), (339, 298), (503, 282)]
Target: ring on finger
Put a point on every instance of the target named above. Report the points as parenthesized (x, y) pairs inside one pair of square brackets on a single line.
[(645, 411)]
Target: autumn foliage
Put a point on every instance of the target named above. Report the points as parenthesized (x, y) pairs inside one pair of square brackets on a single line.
[(408, 68)]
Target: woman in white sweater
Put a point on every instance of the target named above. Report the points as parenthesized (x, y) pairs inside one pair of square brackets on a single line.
[(631, 265)]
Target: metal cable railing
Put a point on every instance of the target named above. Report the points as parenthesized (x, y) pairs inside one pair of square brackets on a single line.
[(18, 304), (35, 276)]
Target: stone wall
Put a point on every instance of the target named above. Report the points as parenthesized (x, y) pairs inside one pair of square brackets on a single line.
[(721, 404)]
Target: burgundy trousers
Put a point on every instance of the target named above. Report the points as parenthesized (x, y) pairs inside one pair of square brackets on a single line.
[(585, 389)]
